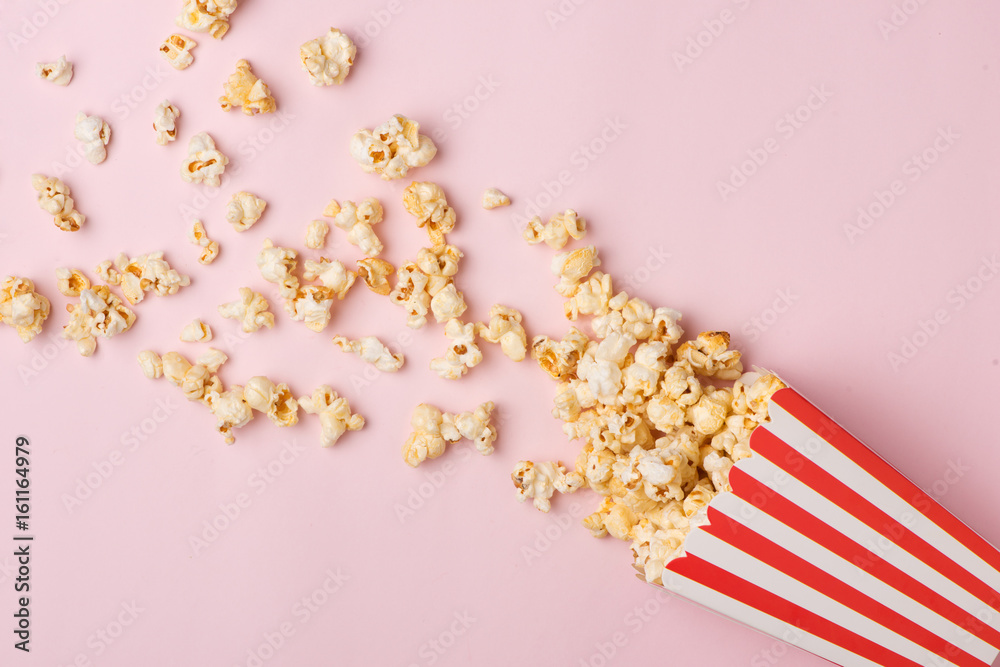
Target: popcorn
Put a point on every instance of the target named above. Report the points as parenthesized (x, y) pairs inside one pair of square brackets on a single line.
[(151, 364), (176, 50), (448, 303), (393, 148), (277, 265), (432, 430), (560, 358), (54, 198), (70, 282), (357, 221), (311, 304), (316, 234), (99, 313), (165, 122), (709, 355), (334, 412), (594, 296), (230, 410), (493, 198), (243, 210), (505, 328), (145, 273), (60, 72), (331, 273), (328, 59), (196, 332), (375, 274), (572, 267), (245, 90), (251, 310), (427, 203), (273, 400), (22, 307), (540, 481), (204, 163), (198, 236), (410, 293), (558, 231), (474, 426), (212, 359), (211, 16), (462, 354), (371, 350), (95, 133)]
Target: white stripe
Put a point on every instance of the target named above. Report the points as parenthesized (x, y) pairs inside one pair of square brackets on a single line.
[(785, 426), (857, 578), (712, 549), (758, 620), (813, 503)]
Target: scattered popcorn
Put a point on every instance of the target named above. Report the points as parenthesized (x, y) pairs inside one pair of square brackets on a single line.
[(393, 148), (245, 90), (70, 282), (211, 16), (94, 133), (330, 273), (432, 430), (273, 400), (251, 310), (316, 234), (151, 364), (165, 122), (417, 283), (493, 198), (558, 231), (505, 328), (60, 72), (474, 426), (198, 236), (277, 266), (145, 273), (328, 59), (22, 307), (373, 351), (54, 198), (410, 292), (230, 409), (357, 221), (540, 480), (462, 354), (427, 203), (204, 163), (243, 210), (375, 274), (196, 332), (176, 50), (335, 416), (99, 313)]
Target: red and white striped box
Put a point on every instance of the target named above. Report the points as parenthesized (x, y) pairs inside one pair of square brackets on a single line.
[(824, 545)]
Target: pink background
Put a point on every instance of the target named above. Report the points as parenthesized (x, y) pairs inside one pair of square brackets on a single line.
[(555, 85)]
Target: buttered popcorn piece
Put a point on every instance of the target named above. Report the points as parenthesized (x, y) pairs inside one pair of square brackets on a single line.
[(393, 148), (572, 267), (334, 412), (151, 364), (539, 481), (328, 59), (709, 354), (316, 234), (198, 236), (493, 198), (99, 313), (427, 203), (22, 307), (474, 426), (54, 198), (196, 331), (211, 16), (462, 354), (243, 210), (375, 272), (311, 305), (60, 72), (176, 50), (70, 282), (275, 401), (371, 350), (448, 303), (204, 163), (165, 122), (425, 441), (145, 273), (277, 266), (245, 90), (94, 133), (330, 273), (357, 221), (230, 410), (504, 327), (251, 309), (558, 231)]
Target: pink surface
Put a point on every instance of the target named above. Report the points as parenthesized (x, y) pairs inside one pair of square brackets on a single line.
[(513, 93)]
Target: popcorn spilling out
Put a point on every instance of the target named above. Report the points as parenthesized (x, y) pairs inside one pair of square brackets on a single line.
[(211, 16), (165, 122), (209, 248), (426, 202), (245, 90), (204, 163), (196, 331), (462, 354), (145, 273), (70, 282), (251, 309), (539, 481), (335, 416), (243, 210), (393, 148), (371, 350), (274, 400), (505, 328), (328, 59), (94, 133), (22, 307), (558, 231), (60, 72), (99, 313), (432, 430), (493, 198), (357, 221), (176, 50), (316, 233), (54, 198)]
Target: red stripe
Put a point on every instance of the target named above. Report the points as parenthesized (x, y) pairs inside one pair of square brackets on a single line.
[(769, 446), (776, 505), (854, 449), (750, 542), (732, 586)]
